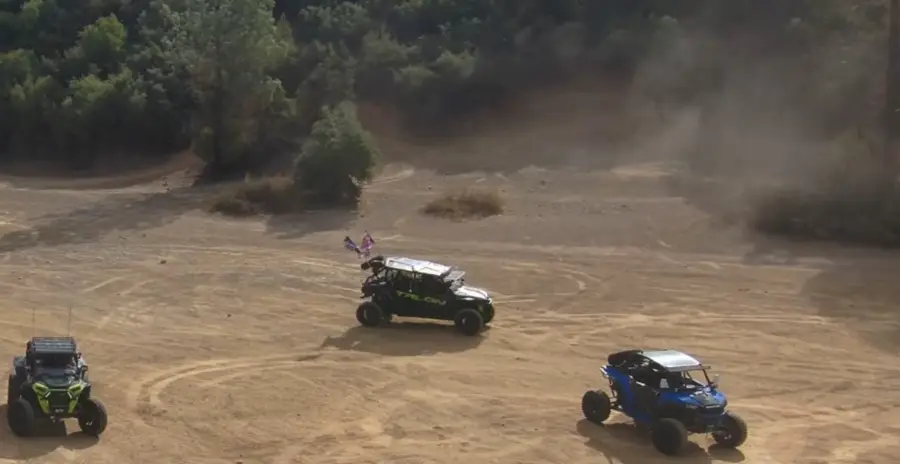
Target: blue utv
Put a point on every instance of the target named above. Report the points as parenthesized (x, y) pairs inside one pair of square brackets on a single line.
[(658, 389)]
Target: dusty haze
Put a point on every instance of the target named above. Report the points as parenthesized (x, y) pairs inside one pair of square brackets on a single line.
[(214, 340)]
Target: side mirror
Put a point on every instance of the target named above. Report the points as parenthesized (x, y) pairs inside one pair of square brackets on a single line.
[(715, 381)]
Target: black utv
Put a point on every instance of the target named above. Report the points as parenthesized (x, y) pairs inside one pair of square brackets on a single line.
[(408, 287), (51, 383)]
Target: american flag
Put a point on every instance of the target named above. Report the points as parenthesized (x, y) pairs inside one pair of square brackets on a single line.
[(350, 245), (364, 249), (367, 244)]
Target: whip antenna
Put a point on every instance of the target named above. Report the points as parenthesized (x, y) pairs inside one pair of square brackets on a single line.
[(69, 324)]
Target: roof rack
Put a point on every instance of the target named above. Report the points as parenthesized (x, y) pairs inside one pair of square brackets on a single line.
[(673, 361), (417, 266), (54, 345)]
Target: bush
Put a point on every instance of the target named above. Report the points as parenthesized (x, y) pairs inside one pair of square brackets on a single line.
[(469, 204), (855, 216), (276, 195), (337, 158), (856, 201)]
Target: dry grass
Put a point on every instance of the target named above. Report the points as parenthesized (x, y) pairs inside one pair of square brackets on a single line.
[(274, 195), (471, 203)]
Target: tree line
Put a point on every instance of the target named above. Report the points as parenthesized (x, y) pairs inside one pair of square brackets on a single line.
[(243, 81)]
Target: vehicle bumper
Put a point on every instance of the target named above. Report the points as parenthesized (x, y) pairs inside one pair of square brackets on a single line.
[(704, 423)]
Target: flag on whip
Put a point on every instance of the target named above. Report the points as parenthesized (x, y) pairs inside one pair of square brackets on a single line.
[(367, 244), (350, 245), (365, 247)]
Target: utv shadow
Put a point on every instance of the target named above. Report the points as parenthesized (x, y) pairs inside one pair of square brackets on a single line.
[(404, 339), (630, 444), (725, 454), (47, 438)]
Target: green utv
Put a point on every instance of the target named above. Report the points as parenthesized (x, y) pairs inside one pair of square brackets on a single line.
[(50, 382), (408, 287)]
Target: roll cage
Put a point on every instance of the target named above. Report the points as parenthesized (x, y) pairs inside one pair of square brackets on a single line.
[(662, 369), (409, 273), (52, 354)]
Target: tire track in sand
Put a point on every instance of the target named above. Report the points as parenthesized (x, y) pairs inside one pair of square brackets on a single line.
[(143, 395)]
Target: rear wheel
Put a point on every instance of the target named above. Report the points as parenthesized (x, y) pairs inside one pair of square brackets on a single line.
[(669, 436), (369, 314), (733, 432), (20, 416), (596, 406), (92, 418), (469, 321)]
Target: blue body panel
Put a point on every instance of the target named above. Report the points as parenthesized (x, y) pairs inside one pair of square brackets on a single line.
[(706, 404)]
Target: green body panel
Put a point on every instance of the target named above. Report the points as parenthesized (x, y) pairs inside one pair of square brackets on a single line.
[(43, 393)]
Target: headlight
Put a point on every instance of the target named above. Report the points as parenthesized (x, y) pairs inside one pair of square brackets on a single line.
[(40, 389), (76, 389)]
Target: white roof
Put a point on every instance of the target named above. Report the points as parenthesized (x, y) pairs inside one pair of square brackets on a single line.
[(673, 360), (416, 265)]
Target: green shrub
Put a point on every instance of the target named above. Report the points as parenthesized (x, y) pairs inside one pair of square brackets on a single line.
[(337, 159)]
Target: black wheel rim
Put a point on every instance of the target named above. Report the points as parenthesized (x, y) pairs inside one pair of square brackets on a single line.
[(89, 415), (722, 434)]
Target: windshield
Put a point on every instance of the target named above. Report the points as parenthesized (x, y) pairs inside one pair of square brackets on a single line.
[(456, 279), (46, 361), (683, 380), (54, 372), (55, 377)]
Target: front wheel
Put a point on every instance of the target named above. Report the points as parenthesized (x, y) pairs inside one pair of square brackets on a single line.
[(92, 418), (469, 321), (733, 432), (488, 312), (13, 388), (21, 417), (669, 436), (596, 406), (369, 314)]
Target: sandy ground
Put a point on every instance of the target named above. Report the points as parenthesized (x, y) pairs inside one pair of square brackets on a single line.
[(214, 340)]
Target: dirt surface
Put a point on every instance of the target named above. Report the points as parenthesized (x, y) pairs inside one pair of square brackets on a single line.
[(214, 340)]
